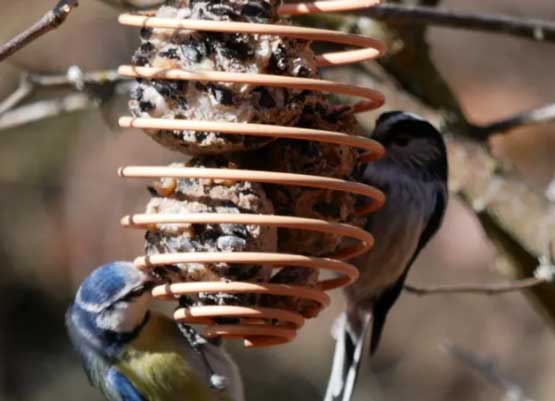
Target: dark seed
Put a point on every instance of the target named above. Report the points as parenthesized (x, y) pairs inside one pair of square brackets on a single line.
[(146, 33), (222, 94), (137, 92), (170, 53), (278, 61), (182, 244), (146, 47), (237, 230), (223, 10), (194, 53), (264, 98), (146, 106), (302, 71), (237, 47), (200, 136), (231, 243), (312, 150), (256, 11), (186, 301), (210, 235), (327, 209), (169, 88), (139, 60)]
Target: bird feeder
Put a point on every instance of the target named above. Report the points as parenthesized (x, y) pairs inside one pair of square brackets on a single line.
[(264, 199)]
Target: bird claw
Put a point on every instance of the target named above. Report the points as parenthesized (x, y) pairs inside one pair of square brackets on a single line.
[(198, 342), (192, 336)]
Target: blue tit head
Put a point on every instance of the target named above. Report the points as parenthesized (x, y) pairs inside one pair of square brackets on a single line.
[(412, 143), (110, 308)]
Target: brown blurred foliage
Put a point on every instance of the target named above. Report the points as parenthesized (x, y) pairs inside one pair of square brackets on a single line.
[(61, 201)]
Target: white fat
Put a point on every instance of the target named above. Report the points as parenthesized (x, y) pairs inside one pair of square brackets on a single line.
[(183, 13), (160, 106), (264, 51), (170, 206), (167, 12), (124, 316), (205, 64)]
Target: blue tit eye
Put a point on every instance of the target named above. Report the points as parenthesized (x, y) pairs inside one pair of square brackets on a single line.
[(137, 292), (401, 140)]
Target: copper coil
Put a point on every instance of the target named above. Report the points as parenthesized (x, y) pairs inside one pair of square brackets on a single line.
[(260, 326)]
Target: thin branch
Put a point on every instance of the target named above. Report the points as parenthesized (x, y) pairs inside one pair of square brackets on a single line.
[(73, 78), (541, 115), (518, 219), (24, 90), (88, 84), (479, 289), (45, 109), (49, 21), (527, 28), (488, 369), (100, 77)]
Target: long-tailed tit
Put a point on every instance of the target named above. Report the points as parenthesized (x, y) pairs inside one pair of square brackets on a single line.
[(413, 175)]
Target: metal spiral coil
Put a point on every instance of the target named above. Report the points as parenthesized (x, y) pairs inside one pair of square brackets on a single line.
[(260, 326)]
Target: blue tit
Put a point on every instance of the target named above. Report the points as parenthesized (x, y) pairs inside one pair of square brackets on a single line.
[(133, 354), (413, 176)]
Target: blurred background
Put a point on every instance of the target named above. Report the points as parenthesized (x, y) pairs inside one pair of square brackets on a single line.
[(61, 202)]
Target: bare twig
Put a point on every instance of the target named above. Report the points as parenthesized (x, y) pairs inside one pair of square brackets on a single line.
[(45, 109), (541, 115), (84, 85), (49, 21), (24, 90), (487, 368), (517, 218), (86, 78), (527, 28), (480, 289)]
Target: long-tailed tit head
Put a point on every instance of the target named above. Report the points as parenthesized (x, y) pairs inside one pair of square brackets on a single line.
[(413, 144)]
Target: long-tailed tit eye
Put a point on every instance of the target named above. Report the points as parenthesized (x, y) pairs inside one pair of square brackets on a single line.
[(401, 140)]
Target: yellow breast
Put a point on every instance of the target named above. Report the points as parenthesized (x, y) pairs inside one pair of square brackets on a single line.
[(156, 365)]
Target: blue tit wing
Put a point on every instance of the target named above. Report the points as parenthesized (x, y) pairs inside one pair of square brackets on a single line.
[(387, 298), (120, 388)]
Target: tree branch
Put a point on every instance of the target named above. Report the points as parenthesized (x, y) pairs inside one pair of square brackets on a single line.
[(90, 85), (49, 21), (24, 90), (479, 289), (75, 77), (488, 370), (45, 109), (541, 115), (519, 219), (527, 28)]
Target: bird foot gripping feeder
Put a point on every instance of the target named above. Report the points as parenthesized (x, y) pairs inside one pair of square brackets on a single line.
[(174, 83)]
